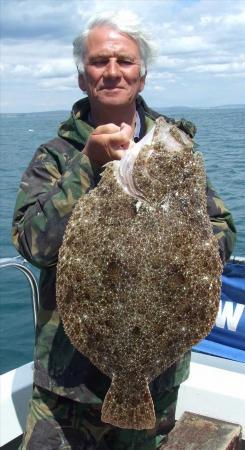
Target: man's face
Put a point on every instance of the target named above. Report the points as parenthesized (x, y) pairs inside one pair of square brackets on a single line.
[(111, 68)]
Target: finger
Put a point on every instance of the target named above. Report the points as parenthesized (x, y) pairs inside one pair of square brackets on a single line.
[(121, 139), (118, 140), (126, 129), (117, 154), (109, 128)]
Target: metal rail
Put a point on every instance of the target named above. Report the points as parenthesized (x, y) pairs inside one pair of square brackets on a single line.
[(237, 259), (21, 264)]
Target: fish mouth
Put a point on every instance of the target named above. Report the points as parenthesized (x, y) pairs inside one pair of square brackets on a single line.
[(124, 168), (174, 140)]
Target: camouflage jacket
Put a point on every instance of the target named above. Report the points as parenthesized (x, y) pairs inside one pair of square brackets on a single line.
[(57, 176)]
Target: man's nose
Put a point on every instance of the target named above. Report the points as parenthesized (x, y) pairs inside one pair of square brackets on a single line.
[(112, 69)]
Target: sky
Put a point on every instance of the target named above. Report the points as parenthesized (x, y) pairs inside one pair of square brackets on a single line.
[(199, 51)]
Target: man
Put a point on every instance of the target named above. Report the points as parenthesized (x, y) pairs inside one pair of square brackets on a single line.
[(68, 390)]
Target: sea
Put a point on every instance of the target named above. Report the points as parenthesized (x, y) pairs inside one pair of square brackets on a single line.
[(220, 137)]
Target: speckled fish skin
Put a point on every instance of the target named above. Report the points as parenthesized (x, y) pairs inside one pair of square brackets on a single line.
[(151, 289)]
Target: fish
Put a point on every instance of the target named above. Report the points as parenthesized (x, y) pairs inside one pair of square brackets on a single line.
[(139, 270)]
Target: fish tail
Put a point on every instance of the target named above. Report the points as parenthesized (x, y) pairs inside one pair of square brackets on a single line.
[(129, 405)]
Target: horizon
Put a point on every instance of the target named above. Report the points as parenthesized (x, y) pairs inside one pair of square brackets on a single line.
[(199, 62), (231, 106)]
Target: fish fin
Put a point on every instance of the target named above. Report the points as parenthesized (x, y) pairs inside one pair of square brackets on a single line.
[(129, 406)]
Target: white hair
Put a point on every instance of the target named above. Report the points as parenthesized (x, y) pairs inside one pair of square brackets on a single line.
[(125, 22)]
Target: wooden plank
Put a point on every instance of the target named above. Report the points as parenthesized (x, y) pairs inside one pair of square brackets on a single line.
[(196, 432)]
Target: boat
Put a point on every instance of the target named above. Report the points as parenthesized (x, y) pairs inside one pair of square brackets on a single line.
[(215, 387)]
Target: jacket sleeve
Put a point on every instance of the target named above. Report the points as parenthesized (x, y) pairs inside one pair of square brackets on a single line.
[(49, 189), (222, 222)]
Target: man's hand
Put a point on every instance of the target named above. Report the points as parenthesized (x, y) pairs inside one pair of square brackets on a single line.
[(107, 143)]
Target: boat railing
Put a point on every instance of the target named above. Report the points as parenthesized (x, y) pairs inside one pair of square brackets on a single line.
[(237, 259), (22, 264)]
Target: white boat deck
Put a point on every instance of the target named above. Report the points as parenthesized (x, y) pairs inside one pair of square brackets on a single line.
[(215, 388)]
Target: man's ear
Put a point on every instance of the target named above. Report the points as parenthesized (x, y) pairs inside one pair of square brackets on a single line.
[(142, 81), (81, 82)]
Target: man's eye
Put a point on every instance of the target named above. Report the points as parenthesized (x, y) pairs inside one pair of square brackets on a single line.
[(99, 63), (125, 62), (103, 62)]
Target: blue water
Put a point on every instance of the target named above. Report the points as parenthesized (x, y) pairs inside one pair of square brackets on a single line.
[(221, 138)]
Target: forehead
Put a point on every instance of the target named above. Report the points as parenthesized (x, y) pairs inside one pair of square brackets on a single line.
[(107, 41)]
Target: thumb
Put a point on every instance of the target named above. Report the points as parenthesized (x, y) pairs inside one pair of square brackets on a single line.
[(126, 130), (121, 138)]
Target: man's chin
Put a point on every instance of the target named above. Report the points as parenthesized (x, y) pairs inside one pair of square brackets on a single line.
[(113, 100)]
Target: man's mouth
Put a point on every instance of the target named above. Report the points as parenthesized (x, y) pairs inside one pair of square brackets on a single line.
[(110, 88)]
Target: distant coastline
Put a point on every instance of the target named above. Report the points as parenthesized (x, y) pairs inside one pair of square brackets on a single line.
[(235, 106), (232, 106)]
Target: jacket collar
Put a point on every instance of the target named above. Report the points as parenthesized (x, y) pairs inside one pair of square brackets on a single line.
[(76, 129)]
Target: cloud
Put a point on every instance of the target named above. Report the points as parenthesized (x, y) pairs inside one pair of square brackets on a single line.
[(51, 69), (59, 84), (197, 41), (227, 21), (164, 76), (46, 19), (236, 68), (56, 68), (158, 87)]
